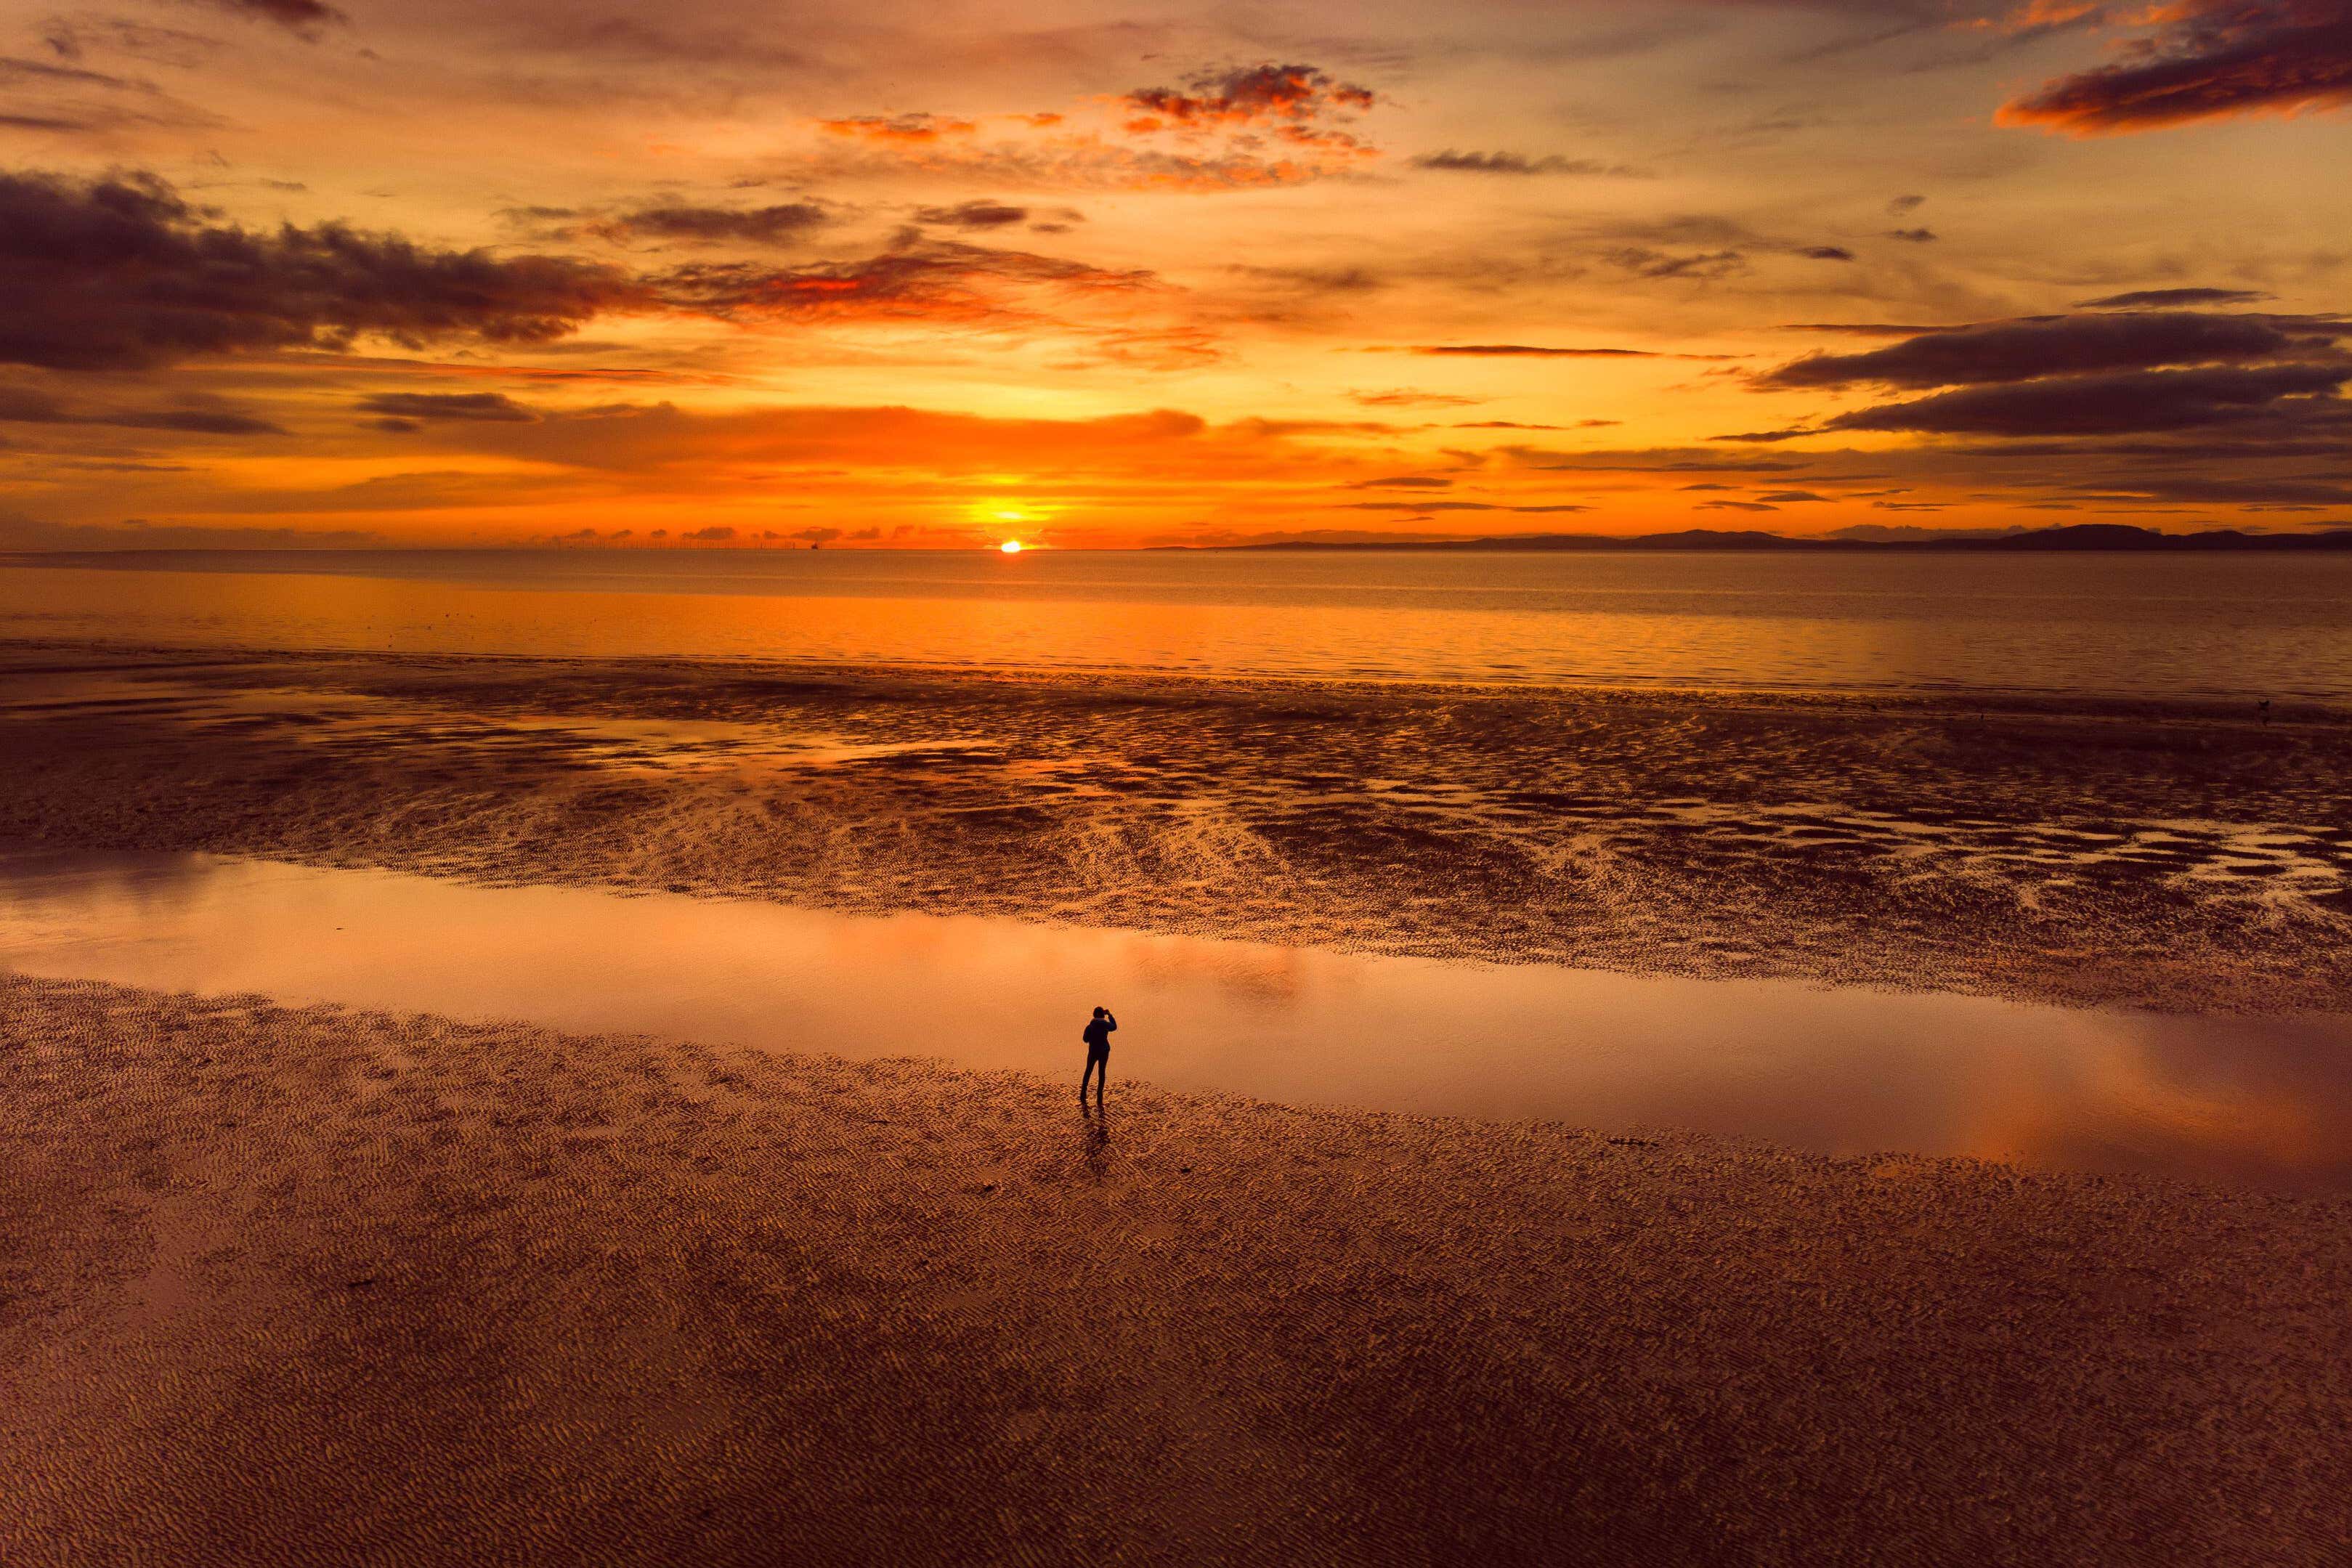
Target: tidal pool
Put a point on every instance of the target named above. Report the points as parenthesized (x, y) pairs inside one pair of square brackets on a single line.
[(2214, 1098)]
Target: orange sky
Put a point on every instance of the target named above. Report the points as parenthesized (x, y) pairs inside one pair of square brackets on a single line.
[(900, 274)]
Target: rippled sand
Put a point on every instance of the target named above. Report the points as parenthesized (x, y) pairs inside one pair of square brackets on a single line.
[(2174, 857), (307, 1286)]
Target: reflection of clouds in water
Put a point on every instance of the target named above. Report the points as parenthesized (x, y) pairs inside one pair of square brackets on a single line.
[(1266, 979), (2253, 1098), (2214, 1098), (41, 884)]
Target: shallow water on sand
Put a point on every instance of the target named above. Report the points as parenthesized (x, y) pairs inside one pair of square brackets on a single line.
[(2263, 1100)]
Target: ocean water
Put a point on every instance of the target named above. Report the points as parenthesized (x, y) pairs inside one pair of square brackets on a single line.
[(2216, 1100), (2218, 627)]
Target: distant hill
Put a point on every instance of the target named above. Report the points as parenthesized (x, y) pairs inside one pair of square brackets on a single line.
[(2099, 536)]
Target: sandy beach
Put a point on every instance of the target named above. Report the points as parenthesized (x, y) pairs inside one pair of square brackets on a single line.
[(312, 1285), (302, 1285)]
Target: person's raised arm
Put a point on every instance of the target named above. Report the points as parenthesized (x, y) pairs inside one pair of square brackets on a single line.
[(1111, 1018)]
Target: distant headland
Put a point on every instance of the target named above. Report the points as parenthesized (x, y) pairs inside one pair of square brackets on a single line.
[(2102, 537)]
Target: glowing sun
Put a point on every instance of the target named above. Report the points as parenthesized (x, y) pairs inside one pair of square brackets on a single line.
[(1011, 546)]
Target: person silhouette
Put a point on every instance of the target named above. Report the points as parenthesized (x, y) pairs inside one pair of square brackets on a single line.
[(1096, 1035)]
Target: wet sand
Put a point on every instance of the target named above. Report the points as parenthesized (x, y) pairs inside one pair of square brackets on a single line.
[(2173, 856), (296, 1285), (306, 1286), (2238, 1099)]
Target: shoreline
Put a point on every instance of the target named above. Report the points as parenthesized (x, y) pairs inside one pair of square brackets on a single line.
[(2178, 860), (412, 1278), (1959, 701), (2263, 1103)]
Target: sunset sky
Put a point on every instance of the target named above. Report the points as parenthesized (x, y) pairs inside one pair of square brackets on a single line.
[(940, 274)]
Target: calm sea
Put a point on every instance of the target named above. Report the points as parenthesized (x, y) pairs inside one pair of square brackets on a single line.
[(2228, 626)]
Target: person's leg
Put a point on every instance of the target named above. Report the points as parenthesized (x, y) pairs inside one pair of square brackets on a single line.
[(1093, 1061), (1102, 1082)]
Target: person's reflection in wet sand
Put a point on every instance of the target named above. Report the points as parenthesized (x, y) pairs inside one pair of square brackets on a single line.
[(1097, 1145), (1096, 1035)]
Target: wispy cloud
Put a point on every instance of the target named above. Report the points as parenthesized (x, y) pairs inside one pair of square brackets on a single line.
[(1519, 163)]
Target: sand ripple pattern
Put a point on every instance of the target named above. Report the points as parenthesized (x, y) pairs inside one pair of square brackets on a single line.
[(304, 1286), (2166, 856)]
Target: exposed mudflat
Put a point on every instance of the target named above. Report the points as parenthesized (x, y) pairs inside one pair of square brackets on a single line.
[(2177, 857), (311, 1286)]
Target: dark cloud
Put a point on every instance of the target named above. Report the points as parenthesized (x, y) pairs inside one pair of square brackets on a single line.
[(1520, 163), (1429, 507), (1531, 350), (533, 218), (1663, 461), (1902, 204), (1865, 328), (2208, 490), (301, 18), (973, 215), (1208, 153), (2163, 299), (196, 422), (1915, 236), (1298, 103), (1779, 497), (472, 407), (712, 225), (1707, 265), (1404, 482), (2208, 448), (2108, 403), (20, 405), (2020, 351), (1700, 246), (122, 274), (941, 280), (711, 535), (1410, 397), (2207, 59), (1516, 425)]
